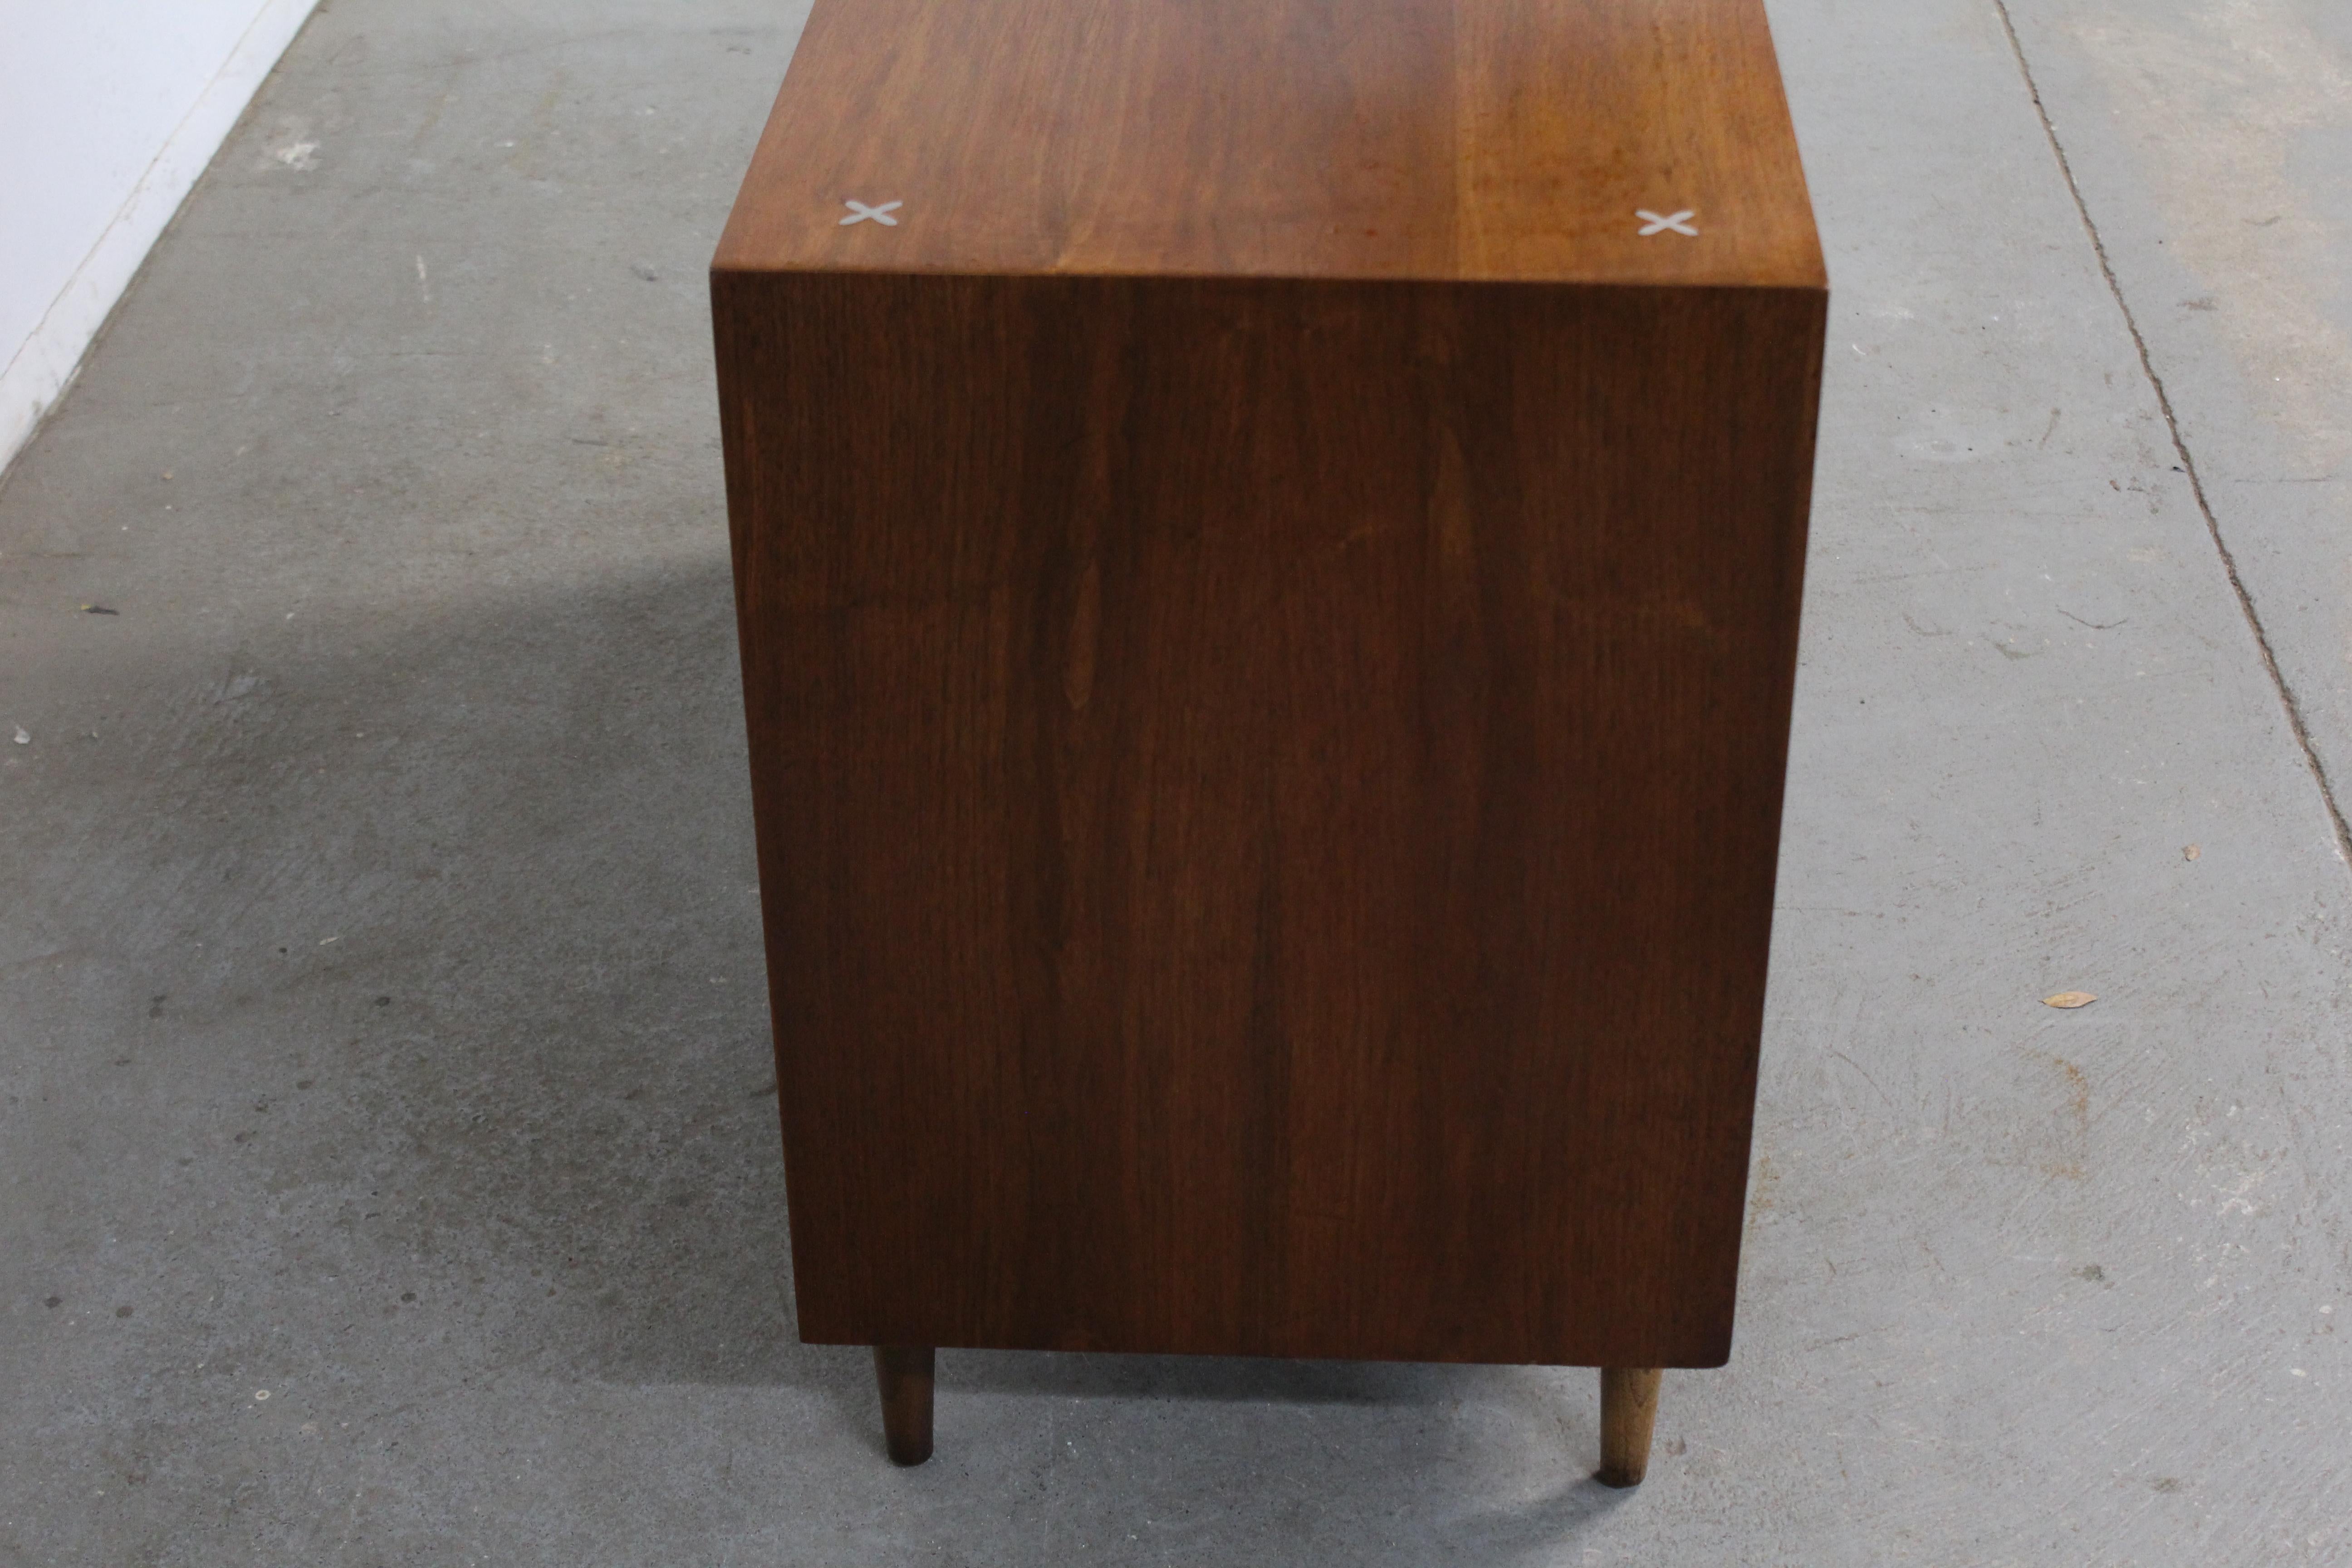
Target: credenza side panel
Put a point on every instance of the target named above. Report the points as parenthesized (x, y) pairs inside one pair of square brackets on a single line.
[(1269, 794)]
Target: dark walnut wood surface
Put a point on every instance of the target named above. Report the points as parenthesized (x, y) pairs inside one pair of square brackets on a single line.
[(1428, 139), (1268, 776)]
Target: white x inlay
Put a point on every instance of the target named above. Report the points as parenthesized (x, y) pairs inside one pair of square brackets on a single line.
[(1653, 223), (859, 212)]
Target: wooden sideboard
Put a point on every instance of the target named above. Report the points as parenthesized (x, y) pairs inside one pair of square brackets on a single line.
[(1269, 537)]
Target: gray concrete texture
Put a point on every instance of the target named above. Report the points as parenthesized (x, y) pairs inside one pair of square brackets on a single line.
[(383, 1026)]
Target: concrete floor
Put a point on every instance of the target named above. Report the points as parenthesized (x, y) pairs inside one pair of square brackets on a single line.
[(383, 1027)]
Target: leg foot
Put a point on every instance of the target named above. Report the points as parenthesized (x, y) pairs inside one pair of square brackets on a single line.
[(1629, 1409), (904, 1372)]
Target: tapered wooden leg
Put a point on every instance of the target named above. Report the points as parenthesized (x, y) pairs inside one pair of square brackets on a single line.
[(1629, 1409), (905, 1373)]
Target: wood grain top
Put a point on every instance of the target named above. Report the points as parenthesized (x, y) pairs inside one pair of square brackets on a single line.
[(1470, 140)]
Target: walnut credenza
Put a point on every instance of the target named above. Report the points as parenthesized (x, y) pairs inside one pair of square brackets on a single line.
[(1269, 537)]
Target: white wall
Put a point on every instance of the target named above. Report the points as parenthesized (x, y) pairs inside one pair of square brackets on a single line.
[(108, 111)]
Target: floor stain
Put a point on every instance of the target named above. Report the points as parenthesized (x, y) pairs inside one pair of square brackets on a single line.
[(2074, 1139)]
